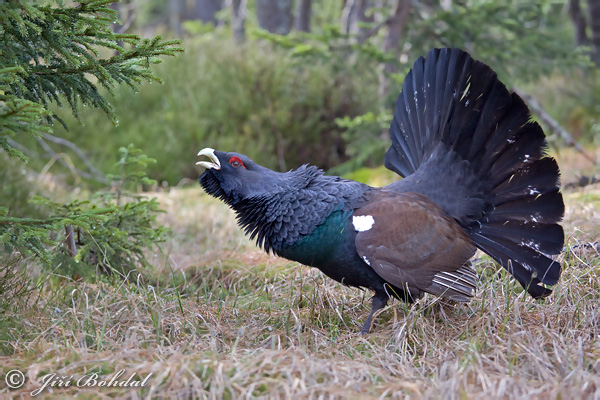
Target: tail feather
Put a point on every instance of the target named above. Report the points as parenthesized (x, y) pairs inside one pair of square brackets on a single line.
[(460, 138), (508, 130), (468, 108), (539, 177), (419, 103), (405, 157), (394, 162), (523, 275), (542, 237), (497, 103), (526, 147), (430, 102), (545, 208), (529, 267)]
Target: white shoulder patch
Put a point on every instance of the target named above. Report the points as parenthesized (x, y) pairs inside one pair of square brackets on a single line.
[(366, 260), (363, 222)]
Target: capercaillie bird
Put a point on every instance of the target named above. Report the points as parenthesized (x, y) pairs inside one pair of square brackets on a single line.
[(475, 175)]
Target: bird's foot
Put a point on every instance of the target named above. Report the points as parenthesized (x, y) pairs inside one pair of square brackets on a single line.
[(377, 303)]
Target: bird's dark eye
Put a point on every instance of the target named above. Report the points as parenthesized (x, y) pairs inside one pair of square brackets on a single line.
[(236, 162)]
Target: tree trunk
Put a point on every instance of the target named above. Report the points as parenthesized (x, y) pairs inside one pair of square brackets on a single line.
[(349, 9), (116, 27), (206, 10), (361, 17), (391, 43), (238, 12), (594, 11), (579, 22), (353, 14), (303, 16), (275, 16), (175, 10), (70, 240), (117, 8), (126, 13)]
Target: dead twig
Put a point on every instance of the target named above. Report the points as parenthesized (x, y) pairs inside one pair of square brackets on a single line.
[(551, 123), (95, 174), (84, 174), (591, 245), (582, 182), (373, 31), (76, 150)]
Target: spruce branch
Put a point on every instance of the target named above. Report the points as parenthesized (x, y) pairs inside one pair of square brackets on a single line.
[(59, 54), (53, 54)]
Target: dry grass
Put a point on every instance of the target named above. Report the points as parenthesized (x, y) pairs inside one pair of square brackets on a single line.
[(223, 320)]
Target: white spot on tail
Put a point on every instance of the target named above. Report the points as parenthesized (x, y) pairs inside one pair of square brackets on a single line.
[(362, 222), (366, 261), (531, 244)]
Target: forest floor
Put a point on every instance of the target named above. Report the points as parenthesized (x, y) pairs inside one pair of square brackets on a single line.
[(218, 318)]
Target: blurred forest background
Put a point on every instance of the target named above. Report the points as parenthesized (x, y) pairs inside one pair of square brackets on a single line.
[(286, 82), (289, 82)]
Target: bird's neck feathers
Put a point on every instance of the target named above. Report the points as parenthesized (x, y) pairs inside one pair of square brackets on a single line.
[(295, 204)]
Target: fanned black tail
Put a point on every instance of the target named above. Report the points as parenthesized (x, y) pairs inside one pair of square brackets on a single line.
[(460, 138)]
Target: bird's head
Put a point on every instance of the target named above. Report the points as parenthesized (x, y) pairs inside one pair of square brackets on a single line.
[(274, 207), (234, 177)]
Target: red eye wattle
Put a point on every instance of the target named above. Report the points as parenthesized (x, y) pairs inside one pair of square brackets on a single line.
[(236, 162)]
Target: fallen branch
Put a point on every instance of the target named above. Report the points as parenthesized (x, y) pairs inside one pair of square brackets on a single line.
[(582, 182), (28, 152), (55, 155), (77, 151), (95, 175), (551, 123), (373, 31), (592, 245)]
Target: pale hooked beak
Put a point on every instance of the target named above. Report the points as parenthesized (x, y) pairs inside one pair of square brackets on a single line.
[(216, 164)]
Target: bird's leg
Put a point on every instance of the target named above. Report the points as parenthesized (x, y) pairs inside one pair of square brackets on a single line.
[(377, 303)]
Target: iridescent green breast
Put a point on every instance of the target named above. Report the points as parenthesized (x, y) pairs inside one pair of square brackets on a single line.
[(322, 244)]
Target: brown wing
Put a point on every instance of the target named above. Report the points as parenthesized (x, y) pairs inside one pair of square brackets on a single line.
[(411, 242)]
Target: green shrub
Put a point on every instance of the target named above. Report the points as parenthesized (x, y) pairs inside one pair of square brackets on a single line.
[(54, 54), (114, 228), (252, 99), (108, 231), (18, 185)]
